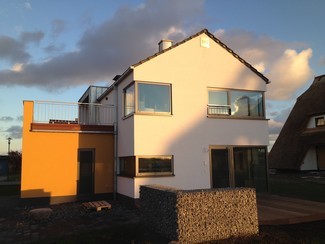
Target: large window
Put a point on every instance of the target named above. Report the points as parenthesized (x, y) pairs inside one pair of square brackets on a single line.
[(146, 166), (150, 98), (154, 98), (235, 103)]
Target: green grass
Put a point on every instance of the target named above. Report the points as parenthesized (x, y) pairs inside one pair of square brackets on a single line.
[(292, 185)]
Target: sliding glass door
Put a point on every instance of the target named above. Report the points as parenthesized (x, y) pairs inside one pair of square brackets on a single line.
[(239, 167)]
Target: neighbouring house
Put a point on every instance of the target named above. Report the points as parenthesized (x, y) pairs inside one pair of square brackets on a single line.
[(191, 116), (301, 142)]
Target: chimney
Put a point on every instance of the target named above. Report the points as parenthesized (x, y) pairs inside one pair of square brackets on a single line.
[(164, 44)]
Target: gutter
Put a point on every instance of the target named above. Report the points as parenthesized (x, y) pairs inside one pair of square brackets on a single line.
[(115, 144)]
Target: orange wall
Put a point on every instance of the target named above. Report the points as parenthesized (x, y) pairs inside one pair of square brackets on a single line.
[(50, 160)]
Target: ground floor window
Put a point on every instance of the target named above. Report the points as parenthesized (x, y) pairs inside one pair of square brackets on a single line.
[(239, 167), (146, 166)]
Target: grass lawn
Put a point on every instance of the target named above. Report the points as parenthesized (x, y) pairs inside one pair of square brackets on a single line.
[(300, 185)]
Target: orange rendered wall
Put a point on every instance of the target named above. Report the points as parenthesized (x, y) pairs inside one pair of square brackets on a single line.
[(50, 161)]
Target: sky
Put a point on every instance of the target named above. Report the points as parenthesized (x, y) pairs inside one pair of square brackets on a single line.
[(53, 50)]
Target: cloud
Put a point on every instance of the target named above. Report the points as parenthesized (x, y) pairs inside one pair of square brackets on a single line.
[(28, 6), (17, 67), (286, 64), (289, 73), (31, 37), (51, 48), (276, 123), (6, 119), (15, 132), (14, 51), (58, 26), (108, 49)]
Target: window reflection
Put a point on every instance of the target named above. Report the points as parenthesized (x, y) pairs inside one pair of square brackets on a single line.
[(129, 100), (154, 98), (236, 103)]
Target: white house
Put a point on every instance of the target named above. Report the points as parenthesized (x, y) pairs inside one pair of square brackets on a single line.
[(191, 116)]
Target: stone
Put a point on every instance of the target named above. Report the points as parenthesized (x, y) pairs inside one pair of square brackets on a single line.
[(41, 213), (199, 215)]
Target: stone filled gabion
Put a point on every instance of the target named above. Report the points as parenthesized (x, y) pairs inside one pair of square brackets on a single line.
[(199, 215)]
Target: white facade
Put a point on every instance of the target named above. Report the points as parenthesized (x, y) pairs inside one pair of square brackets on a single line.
[(188, 133)]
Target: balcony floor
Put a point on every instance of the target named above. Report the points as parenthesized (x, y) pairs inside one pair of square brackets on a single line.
[(71, 127)]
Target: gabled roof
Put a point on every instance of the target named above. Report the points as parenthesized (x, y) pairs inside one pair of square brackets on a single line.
[(204, 31), (294, 140)]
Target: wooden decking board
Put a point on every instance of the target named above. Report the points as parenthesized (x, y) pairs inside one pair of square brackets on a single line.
[(277, 210), (292, 206), (282, 212), (290, 199)]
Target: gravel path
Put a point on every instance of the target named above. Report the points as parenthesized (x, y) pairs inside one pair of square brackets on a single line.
[(18, 226)]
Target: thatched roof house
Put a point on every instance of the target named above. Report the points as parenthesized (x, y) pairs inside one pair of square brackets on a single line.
[(301, 142)]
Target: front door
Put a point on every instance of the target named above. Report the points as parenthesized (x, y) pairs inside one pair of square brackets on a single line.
[(220, 167), (86, 172)]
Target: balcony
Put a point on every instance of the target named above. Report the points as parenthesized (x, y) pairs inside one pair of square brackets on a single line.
[(224, 110), (66, 116)]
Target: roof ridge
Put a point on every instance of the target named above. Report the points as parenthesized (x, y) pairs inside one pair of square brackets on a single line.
[(206, 31)]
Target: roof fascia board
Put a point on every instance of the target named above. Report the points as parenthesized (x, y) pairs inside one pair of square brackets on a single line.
[(116, 83)]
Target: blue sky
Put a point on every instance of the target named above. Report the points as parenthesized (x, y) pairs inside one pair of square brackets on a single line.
[(53, 50)]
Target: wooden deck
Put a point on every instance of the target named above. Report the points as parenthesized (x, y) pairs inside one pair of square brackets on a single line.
[(276, 210)]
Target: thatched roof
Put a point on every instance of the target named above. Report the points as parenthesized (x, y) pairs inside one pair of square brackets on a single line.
[(294, 140)]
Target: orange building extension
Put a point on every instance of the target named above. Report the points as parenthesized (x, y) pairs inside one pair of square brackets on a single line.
[(67, 164)]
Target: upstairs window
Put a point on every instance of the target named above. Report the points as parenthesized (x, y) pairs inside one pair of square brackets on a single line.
[(154, 98), (148, 98), (235, 103), (319, 121)]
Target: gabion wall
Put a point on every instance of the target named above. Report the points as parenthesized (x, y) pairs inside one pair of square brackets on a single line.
[(199, 215)]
